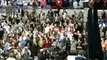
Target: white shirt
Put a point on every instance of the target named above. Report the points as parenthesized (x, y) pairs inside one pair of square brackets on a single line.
[(25, 3), (64, 16), (3, 3), (47, 29), (3, 23), (70, 57), (70, 35), (24, 38), (61, 36), (73, 45), (80, 4), (75, 4), (20, 24), (19, 2), (7, 28), (10, 58), (100, 25)]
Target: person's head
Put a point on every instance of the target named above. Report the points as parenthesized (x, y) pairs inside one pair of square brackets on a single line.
[(91, 3)]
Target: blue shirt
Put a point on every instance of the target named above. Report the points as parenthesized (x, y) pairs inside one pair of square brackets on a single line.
[(23, 43), (79, 58)]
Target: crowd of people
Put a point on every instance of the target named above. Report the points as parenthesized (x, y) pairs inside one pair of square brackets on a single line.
[(103, 28), (102, 21), (27, 35), (43, 3)]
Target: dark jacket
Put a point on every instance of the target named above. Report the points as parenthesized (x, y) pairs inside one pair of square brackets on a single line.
[(79, 58), (41, 57)]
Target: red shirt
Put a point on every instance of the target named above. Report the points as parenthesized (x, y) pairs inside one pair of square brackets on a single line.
[(46, 44), (58, 2)]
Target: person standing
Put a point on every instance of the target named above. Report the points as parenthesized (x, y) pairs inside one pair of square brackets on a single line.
[(46, 43), (80, 4), (34, 4), (58, 3), (75, 4), (68, 46), (43, 3), (41, 43)]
